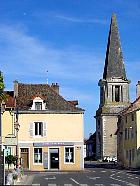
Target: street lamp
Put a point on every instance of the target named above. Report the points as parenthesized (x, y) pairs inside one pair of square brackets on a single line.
[(16, 126)]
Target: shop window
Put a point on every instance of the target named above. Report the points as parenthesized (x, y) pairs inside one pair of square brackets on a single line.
[(69, 154), (37, 155)]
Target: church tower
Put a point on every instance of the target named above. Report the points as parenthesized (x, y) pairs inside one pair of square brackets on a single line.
[(114, 95)]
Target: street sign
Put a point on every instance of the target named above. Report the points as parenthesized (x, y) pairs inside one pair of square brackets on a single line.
[(10, 141)]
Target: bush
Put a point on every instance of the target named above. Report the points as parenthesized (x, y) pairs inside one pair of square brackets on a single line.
[(10, 159)]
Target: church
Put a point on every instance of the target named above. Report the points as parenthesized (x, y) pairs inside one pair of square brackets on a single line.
[(114, 95)]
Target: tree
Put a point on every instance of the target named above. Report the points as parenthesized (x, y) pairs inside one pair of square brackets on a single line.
[(2, 96), (10, 159)]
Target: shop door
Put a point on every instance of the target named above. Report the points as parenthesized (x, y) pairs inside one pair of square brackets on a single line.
[(25, 158), (54, 158)]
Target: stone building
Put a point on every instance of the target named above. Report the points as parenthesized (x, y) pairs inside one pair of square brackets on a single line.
[(114, 95)]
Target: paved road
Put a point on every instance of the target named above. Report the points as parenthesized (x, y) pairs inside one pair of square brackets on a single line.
[(98, 176)]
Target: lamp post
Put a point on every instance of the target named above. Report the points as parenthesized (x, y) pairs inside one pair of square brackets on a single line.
[(16, 126)]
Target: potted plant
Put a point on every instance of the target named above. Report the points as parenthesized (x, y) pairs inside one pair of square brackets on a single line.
[(15, 176)]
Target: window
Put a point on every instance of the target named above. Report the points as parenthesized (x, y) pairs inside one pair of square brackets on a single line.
[(38, 129), (98, 123), (69, 154), (102, 95), (125, 133), (37, 155), (128, 133), (133, 154), (132, 133), (38, 105), (117, 93), (132, 116), (126, 154), (126, 119), (7, 151)]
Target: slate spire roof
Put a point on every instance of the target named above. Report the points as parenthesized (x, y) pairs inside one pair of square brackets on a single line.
[(114, 66)]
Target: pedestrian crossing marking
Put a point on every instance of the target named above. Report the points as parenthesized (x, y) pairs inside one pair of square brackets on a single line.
[(97, 184)]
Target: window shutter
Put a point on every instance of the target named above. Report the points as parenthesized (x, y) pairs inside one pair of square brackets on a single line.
[(31, 129), (44, 129)]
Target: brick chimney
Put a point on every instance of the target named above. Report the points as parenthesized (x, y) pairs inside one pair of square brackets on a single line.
[(138, 89), (55, 87)]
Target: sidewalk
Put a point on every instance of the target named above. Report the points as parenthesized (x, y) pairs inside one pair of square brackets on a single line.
[(26, 180)]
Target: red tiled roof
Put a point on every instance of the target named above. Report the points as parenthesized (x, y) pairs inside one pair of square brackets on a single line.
[(54, 101), (9, 98), (133, 106)]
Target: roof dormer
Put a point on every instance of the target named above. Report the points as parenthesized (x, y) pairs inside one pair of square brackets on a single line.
[(38, 104)]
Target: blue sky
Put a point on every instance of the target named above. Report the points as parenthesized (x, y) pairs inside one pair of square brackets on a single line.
[(67, 38)]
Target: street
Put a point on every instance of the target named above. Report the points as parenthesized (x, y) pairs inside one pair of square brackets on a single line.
[(98, 175)]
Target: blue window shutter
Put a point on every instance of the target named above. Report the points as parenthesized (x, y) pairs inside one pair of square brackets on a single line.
[(31, 129), (44, 129)]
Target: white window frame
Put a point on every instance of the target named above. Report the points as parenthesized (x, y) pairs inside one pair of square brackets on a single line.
[(38, 104), (73, 154), (37, 163), (39, 124), (36, 100), (44, 129)]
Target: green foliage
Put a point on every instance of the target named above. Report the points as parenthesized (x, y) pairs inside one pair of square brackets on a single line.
[(2, 96), (15, 175), (10, 159)]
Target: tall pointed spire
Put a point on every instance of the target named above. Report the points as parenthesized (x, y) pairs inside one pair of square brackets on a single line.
[(114, 66)]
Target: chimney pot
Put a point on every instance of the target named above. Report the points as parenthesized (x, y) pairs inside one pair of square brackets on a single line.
[(55, 87), (138, 89)]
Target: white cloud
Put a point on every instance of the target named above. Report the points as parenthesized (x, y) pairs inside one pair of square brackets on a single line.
[(80, 20), (25, 55)]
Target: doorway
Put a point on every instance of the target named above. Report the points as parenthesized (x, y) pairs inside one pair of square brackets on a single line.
[(25, 157), (54, 158)]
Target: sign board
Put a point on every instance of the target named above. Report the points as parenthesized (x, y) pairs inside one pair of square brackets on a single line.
[(10, 141), (44, 144), (45, 160)]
